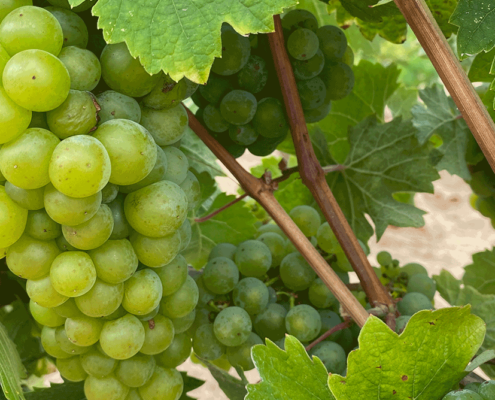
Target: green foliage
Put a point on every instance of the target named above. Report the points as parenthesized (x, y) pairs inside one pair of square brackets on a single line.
[(11, 368), (480, 274), (480, 70), (234, 388), (67, 390), (200, 157)]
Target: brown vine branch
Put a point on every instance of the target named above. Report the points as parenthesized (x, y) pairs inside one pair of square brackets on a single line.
[(313, 174), (224, 207), (263, 194), (422, 22), (336, 328)]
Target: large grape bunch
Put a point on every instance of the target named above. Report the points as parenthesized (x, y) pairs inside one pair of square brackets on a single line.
[(242, 106), (94, 198)]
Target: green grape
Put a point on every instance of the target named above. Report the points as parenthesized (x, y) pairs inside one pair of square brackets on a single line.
[(77, 115), (309, 68), (303, 322), (97, 364), (318, 113), (178, 165), (31, 28), (240, 356), (83, 330), (122, 338), (72, 274), (303, 44), (223, 250), (150, 315), (36, 80), (133, 395), (156, 210), (173, 275), (124, 73), (102, 300), (422, 284), (473, 386), (413, 302), (43, 293), (320, 296), (276, 245), (333, 42), (251, 294), (339, 80), (66, 345), (296, 273), (45, 316), (68, 309), (165, 384), (74, 30), (135, 371), (131, 149), (80, 166), (299, 18), (191, 87), (273, 298), (481, 184), (181, 302), (332, 355), (232, 326), (14, 119), (178, 352), (206, 345), (269, 120), (271, 227), (312, 92), (329, 320), (185, 232), (412, 269), (200, 101), (236, 50), (107, 388), (254, 75), (487, 390), (238, 107), (214, 90), (192, 190), (71, 369), (166, 94), (159, 333), (119, 312), (41, 227), (4, 57), (167, 126), (270, 323), (486, 206), (30, 199), (401, 322), (50, 343), (327, 240), (343, 262), (253, 258), (30, 258), (202, 317), (116, 105), (6, 6), (70, 211), (384, 258), (142, 292), (204, 295), (243, 135), (109, 193), (220, 275), (38, 120), (115, 261), (182, 324), (28, 172), (348, 57), (121, 228), (214, 120), (462, 395)]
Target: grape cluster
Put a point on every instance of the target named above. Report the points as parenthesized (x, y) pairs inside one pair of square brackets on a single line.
[(473, 391), (241, 104), (93, 202)]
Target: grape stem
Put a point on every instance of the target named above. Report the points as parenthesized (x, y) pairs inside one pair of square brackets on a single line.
[(271, 281), (313, 175), (336, 328), (224, 207)]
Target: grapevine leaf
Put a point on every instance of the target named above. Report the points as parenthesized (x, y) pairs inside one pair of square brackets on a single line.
[(199, 155), (440, 116), (292, 193), (384, 159), (392, 28), (374, 84), (442, 10), (402, 101), (363, 9), (75, 3), (481, 273), (234, 388), (66, 390), (481, 359), (424, 362), (11, 368), (480, 70), (289, 374), (182, 37), (190, 384), (475, 20)]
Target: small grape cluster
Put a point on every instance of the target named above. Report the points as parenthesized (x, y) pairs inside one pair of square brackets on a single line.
[(241, 104), (483, 185), (473, 391), (93, 203)]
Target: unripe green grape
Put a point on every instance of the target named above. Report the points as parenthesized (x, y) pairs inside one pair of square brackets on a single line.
[(156, 210), (327, 240), (181, 302), (125, 74), (270, 323), (121, 228), (173, 275), (102, 300), (236, 50), (150, 315), (473, 386), (232, 326), (36, 80), (220, 275), (251, 294), (348, 57), (339, 80), (63, 245), (265, 146), (238, 107), (422, 284), (159, 333), (192, 190), (116, 105), (83, 330), (309, 68), (303, 44), (167, 126), (204, 295), (156, 252), (178, 165), (462, 395), (318, 113), (253, 258), (122, 338), (215, 89), (223, 250), (401, 322), (487, 389), (14, 119), (276, 245), (70, 211), (4, 57), (38, 120), (7, 6), (185, 232), (166, 94), (182, 324), (50, 344), (299, 18), (75, 32), (271, 227), (269, 120), (178, 352), (109, 193), (332, 355), (320, 296), (68, 309), (412, 269), (115, 261), (3, 253), (296, 273), (142, 292), (45, 316), (333, 42), (41, 227), (30, 258), (30, 199), (307, 219), (73, 273), (414, 302), (243, 135), (254, 75), (43, 293), (303, 322), (133, 395), (97, 364), (83, 66), (206, 345), (107, 388), (214, 120), (29, 28), (165, 384), (312, 92), (135, 371), (80, 166), (71, 369), (240, 356), (329, 320)]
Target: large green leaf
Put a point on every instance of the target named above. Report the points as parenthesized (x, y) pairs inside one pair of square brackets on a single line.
[(363, 9), (11, 368), (423, 363), (392, 28), (402, 101), (190, 384), (442, 11), (481, 67), (289, 374), (440, 116), (182, 37), (384, 159), (67, 390), (481, 273), (232, 387)]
